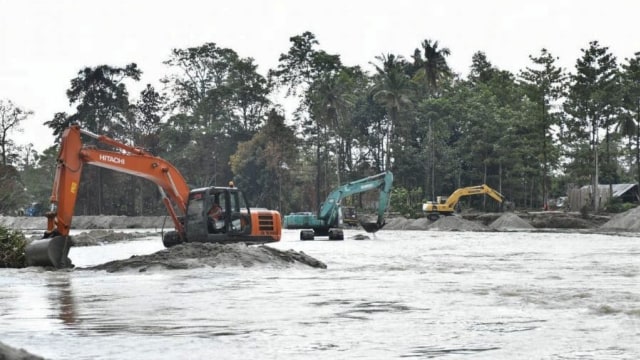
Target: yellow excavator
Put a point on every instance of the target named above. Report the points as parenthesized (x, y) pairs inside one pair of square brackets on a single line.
[(448, 205)]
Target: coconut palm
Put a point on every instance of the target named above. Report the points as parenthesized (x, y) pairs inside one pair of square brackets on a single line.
[(391, 89), (433, 68), (332, 100)]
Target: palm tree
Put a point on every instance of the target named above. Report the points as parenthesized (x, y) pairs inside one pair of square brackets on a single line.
[(433, 69), (332, 101), (391, 89)]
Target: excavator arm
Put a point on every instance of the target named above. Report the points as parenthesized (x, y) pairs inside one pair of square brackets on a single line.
[(382, 182), (325, 221), (131, 160), (433, 210), (452, 201), (71, 158)]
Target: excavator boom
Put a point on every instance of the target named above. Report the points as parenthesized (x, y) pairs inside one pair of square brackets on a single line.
[(448, 207), (134, 161), (326, 220), (240, 223)]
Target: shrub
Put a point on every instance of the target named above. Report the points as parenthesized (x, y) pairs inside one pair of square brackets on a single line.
[(617, 206), (12, 245), (406, 202)]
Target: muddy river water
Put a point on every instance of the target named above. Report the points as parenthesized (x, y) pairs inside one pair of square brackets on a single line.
[(400, 294)]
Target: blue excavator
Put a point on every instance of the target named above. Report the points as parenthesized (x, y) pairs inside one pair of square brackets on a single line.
[(327, 222)]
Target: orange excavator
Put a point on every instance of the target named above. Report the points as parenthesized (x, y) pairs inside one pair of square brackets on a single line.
[(189, 209)]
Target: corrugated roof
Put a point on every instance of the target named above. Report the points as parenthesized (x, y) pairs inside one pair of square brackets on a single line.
[(618, 189)]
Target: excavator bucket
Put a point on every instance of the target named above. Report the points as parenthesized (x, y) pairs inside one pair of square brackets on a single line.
[(49, 252), (371, 227)]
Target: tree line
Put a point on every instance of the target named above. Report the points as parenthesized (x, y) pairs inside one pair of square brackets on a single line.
[(531, 135)]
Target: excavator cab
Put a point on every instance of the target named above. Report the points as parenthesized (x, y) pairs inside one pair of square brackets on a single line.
[(233, 217)]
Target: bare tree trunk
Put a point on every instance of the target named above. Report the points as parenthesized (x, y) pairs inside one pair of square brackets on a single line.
[(638, 141)]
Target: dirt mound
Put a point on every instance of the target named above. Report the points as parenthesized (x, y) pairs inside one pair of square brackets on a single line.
[(510, 221), (418, 224), (560, 220), (448, 223), (396, 223), (457, 223), (9, 353), (102, 236), (195, 255), (90, 222), (626, 221)]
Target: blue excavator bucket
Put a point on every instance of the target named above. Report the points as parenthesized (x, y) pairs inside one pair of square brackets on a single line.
[(49, 252)]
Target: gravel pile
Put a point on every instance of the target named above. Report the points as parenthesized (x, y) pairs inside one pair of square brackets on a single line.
[(510, 221), (396, 223), (457, 223), (626, 221)]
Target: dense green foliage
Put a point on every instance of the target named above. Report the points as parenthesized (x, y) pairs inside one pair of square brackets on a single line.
[(531, 135), (12, 245)]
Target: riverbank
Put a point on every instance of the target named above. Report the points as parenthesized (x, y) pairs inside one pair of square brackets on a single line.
[(476, 221)]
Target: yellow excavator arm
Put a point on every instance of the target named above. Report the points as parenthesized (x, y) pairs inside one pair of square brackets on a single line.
[(434, 210)]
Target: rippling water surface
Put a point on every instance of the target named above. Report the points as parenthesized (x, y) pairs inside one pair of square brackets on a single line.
[(400, 294)]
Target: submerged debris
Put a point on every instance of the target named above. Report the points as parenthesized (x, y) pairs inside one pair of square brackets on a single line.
[(196, 255), (360, 237)]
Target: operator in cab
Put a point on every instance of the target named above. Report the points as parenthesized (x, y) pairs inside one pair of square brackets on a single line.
[(216, 218)]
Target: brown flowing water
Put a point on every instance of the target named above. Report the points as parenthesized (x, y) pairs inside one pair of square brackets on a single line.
[(398, 294)]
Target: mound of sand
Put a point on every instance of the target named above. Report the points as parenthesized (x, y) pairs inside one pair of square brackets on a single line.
[(102, 236), (90, 222), (195, 255), (9, 353), (396, 223), (457, 223), (510, 221), (626, 221), (418, 224), (447, 223)]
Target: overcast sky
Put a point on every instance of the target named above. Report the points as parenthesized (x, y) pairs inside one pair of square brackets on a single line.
[(44, 43)]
